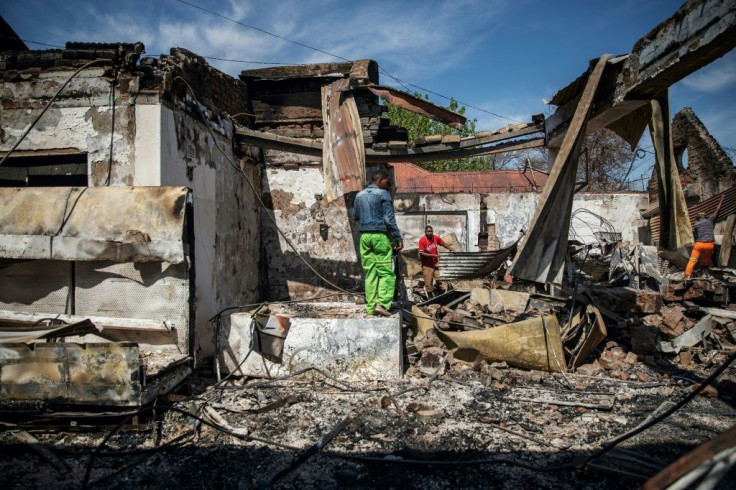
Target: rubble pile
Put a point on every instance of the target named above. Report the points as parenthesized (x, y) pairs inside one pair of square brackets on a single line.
[(502, 385)]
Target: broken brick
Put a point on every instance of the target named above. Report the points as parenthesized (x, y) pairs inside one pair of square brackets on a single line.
[(590, 369)]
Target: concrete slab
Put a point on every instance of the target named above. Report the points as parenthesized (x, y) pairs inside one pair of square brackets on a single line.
[(338, 338)]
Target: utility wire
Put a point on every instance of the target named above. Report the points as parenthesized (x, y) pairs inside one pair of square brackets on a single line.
[(225, 430), (32, 42), (641, 428), (398, 80), (30, 127)]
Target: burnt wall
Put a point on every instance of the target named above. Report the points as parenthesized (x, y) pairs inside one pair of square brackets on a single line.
[(709, 169)]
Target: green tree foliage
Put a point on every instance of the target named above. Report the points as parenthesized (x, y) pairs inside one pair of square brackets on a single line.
[(417, 126)]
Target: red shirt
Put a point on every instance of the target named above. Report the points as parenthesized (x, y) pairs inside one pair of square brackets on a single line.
[(429, 248)]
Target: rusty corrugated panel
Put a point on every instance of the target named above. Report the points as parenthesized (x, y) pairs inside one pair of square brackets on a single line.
[(412, 179), (121, 224), (469, 265), (343, 156), (86, 374), (708, 207), (419, 106)]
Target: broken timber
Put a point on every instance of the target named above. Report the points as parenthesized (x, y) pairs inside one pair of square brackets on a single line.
[(700, 32), (541, 256), (674, 230), (419, 106), (466, 146)]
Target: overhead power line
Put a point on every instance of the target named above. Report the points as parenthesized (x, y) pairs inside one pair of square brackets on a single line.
[(32, 42), (337, 56)]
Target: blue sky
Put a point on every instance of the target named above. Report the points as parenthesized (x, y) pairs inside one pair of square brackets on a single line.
[(502, 56)]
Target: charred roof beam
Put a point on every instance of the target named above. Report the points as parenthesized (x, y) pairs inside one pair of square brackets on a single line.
[(700, 32)]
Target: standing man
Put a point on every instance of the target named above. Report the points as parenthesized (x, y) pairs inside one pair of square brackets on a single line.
[(379, 234), (704, 241), (430, 259)]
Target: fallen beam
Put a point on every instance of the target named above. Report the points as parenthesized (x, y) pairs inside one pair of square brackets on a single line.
[(418, 106), (541, 255)]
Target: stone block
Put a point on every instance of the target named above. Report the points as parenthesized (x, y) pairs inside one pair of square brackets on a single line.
[(337, 338)]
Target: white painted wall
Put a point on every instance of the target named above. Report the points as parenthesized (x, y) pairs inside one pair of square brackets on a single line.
[(147, 153), (301, 212)]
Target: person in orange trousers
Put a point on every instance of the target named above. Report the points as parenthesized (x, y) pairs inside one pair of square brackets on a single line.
[(704, 241)]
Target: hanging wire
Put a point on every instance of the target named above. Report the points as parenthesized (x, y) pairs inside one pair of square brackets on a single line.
[(258, 197), (46, 108)]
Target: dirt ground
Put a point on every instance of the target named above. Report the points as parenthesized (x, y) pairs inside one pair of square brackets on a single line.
[(482, 426)]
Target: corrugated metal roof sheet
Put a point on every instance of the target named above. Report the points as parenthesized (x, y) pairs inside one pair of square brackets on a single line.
[(411, 179), (708, 207)]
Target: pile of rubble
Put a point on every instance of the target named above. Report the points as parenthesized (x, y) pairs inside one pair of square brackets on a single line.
[(645, 315), (503, 386)]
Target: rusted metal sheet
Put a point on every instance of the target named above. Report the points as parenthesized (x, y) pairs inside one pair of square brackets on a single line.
[(412, 179), (105, 327), (121, 224), (541, 256), (343, 157), (675, 230), (468, 265), (708, 207), (419, 106), (534, 343), (14, 335), (86, 374)]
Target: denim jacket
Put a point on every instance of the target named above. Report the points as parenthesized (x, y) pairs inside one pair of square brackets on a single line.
[(375, 210)]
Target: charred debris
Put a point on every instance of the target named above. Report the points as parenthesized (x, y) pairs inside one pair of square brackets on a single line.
[(548, 361)]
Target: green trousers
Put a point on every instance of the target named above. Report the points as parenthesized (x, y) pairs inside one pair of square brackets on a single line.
[(380, 281)]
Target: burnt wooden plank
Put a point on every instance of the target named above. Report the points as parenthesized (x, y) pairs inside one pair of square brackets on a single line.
[(249, 137), (360, 70), (415, 156), (419, 106), (674, 230), (700, 32), (541, 256), (288, 107)]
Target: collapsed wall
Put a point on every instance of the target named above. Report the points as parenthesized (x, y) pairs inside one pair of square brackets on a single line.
[(287, 101), (709, 170), (123, 122)]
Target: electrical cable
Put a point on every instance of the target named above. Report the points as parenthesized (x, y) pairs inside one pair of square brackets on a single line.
[(465, 462), (86, 65), (258, 197), (280, 302), (33, 42), (398, 80), (637, 430), (119, 426)]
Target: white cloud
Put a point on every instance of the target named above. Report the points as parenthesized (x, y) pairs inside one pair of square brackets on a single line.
[(714, 77)]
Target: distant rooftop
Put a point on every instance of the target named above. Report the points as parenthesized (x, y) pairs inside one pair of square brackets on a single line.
[(411, 178)]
